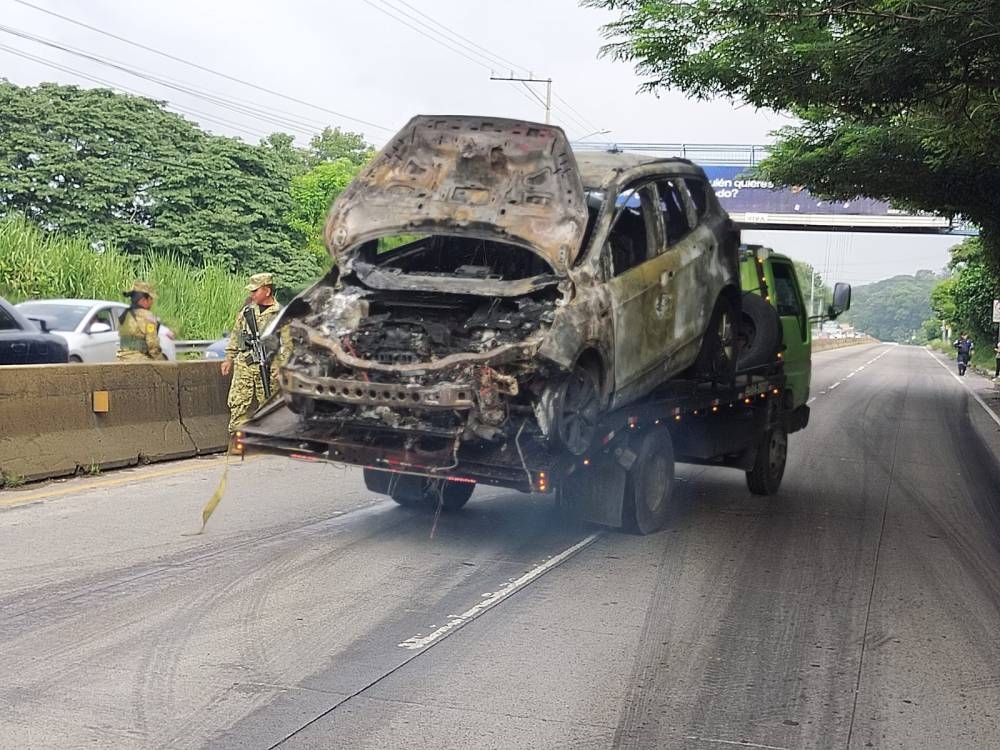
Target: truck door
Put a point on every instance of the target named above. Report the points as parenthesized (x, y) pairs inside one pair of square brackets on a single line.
[(794, 326), (639, 289)]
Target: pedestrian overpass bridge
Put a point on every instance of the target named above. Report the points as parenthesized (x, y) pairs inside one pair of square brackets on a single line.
[(757, 204)]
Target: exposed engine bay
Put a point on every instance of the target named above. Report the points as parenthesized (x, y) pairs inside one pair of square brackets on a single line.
[(393, 342)]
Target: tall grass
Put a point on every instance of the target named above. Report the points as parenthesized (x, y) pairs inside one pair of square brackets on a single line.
[(197, 303)]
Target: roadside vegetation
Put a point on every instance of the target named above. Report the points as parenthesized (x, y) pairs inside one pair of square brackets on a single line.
[(196, 302)]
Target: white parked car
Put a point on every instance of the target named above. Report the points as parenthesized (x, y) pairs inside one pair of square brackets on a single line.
[(90, 326)]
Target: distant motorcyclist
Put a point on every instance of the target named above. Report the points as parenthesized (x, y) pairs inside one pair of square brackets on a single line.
[(965, 348)]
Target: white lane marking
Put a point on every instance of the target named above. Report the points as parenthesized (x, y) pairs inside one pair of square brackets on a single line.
[(961, 382), (849, 375), (491, 600), (737, 743)]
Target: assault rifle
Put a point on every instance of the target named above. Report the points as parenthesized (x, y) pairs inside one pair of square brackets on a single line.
[(259, 356)]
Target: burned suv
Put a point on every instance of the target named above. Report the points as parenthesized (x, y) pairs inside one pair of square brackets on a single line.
[(488, 281)]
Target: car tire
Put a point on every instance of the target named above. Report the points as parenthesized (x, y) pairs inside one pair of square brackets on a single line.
[(769, 465), (717, 358), (577, 410), (75, 360), (759, 334)]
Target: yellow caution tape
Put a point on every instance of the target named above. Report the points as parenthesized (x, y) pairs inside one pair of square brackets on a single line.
[(216, 498)]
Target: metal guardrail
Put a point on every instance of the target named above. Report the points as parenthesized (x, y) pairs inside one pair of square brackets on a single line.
[(186, 347), (730, 154)]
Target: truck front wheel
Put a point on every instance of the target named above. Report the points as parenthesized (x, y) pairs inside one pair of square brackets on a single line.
[(769, 466)]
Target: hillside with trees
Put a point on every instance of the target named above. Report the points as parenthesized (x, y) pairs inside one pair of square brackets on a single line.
[(894, 309)]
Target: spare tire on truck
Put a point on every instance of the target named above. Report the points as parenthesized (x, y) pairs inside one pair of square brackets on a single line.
[(759, 332)]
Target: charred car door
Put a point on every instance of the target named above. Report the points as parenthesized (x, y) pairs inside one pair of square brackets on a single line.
[(641, 274), (688, 250)]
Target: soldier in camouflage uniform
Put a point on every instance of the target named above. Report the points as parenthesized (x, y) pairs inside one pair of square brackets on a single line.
[(138, 328), (246, 393)]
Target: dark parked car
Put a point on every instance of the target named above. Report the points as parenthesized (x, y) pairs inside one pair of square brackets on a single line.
[(22, 342)]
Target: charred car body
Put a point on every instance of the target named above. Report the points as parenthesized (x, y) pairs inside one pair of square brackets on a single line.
[(489, 283)]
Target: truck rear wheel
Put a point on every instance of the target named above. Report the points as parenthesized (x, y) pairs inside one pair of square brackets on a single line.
[(649, 490), (769, 466)]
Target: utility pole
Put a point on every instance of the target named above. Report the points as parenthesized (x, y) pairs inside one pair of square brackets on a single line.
[(532, 79), (812, 290)]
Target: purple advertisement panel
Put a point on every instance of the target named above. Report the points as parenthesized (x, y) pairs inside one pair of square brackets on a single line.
[(740, 193)]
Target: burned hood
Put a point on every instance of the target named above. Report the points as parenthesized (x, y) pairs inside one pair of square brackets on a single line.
[(498, 179)]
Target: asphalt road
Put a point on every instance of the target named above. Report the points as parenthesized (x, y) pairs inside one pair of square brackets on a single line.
[(859, 608)]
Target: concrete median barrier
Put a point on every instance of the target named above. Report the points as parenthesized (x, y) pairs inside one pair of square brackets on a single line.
[(64, 419), (202, 393), (820, 345)]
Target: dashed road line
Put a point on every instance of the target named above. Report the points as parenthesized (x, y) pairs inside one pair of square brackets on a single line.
[(849, 375), (491, 600)]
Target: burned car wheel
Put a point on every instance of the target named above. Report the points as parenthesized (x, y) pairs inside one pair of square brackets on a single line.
[(422, 492), (577, 408), (717, 358)]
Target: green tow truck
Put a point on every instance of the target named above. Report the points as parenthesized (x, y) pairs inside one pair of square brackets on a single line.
[(626, 478)]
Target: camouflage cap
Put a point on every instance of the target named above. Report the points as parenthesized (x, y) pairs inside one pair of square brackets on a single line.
[(142, 288), (258, 280)]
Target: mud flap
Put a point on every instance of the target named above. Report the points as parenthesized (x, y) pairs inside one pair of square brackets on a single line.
[(595, 493)]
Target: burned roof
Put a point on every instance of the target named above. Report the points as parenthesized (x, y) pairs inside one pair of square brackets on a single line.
[(598, 167)]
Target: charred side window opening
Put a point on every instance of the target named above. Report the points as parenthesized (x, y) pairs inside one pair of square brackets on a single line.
[(698, 189), (468, 257), (632, 239), (675, 216)]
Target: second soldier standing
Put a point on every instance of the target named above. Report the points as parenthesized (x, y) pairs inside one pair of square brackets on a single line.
[(246, 392)]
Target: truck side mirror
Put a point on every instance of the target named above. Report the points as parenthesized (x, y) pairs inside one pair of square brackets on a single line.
[(841, 299)]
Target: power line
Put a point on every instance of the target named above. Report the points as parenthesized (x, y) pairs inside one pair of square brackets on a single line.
[(583, 119), (483, 56), (456, 34), (473, 49), (215, 99), (118, 87), (380, 9), (202, 67)]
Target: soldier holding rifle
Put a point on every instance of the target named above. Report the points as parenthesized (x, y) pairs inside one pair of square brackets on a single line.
[(255, 377)]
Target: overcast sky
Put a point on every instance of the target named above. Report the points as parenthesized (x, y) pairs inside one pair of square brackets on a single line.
[(366, 60)]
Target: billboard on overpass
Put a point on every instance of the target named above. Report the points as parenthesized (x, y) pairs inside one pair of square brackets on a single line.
[(757, 203)]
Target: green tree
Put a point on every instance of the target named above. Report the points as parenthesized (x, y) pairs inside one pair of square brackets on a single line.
[(898, 100), (312, 194), (814, 290), (334, 144), (121, 170)]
